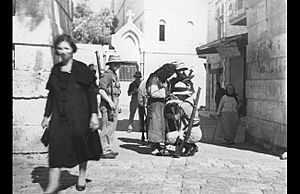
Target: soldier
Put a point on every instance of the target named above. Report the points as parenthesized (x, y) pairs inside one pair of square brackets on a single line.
[(183, 74), (109, 90), (178, 113)]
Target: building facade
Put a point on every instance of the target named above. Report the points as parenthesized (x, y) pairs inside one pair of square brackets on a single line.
[(35, 24), (247, 47), (162, 31)]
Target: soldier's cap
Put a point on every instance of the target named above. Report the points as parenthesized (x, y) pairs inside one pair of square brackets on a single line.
[(181, 88), (180, 65), (114, 59)]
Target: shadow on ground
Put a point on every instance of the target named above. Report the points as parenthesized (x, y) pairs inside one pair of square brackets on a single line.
[(211, 128), (123, 124), (135, 145), (243, 146), (40, 175)]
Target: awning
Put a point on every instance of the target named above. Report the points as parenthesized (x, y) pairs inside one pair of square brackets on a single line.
[(213, 47)]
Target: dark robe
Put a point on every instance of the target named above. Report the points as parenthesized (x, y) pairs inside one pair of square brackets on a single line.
[(71, 101)]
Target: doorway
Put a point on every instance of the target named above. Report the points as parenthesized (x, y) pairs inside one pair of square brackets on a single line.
[(237, 76)]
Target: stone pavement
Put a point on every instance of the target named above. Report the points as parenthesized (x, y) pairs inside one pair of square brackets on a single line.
[(215, 169)]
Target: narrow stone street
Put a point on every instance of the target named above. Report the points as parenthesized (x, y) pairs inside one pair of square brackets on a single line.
[(215, 169)]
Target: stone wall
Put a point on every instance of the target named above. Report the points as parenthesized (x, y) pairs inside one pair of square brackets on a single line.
[(35, 24), (266, 73)]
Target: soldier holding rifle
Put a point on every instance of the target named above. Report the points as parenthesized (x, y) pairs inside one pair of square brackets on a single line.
[(109, 89), (183, 121)]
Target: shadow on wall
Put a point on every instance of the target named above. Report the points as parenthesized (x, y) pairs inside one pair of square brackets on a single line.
[(34, 9)]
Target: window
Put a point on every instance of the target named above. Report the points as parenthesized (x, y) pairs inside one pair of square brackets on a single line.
[(162, 25), (161, 32), (220, 21), (239, 4), (14, 8), (212, 86), (219, 29), (126, 72)]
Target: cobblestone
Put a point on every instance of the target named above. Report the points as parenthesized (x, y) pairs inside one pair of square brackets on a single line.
[(214, 169)]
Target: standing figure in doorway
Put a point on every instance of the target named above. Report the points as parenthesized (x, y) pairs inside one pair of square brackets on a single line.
[(228, 109), (71, 115), (219, 93)]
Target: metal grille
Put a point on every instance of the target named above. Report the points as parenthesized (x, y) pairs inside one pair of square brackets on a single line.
[(126, 73)]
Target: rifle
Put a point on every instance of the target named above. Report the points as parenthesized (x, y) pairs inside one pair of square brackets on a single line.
[(98, 64), (178, 151), (111, 111)]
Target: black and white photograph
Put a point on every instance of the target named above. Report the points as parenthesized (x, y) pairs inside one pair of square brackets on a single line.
[(149, 96)]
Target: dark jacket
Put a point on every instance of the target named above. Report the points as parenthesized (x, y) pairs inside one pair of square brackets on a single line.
[(82, 81)]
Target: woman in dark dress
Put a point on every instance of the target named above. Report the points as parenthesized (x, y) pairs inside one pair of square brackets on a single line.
[(71, 115)]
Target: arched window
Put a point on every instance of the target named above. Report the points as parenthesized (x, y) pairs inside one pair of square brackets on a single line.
[(162, 26)]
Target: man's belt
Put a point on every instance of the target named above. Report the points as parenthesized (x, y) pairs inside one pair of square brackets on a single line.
[(116, 95), (196, 125), (152, 100)]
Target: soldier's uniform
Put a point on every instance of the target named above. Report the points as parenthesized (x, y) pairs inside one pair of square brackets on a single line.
[(177, 126), (109, 82)]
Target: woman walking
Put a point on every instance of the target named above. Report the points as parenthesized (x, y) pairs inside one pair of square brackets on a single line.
[(228, 109), (70, 115)]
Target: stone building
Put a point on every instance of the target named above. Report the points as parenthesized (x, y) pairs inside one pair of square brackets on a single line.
[(247, 47), (160, 31), (266, 72), (35, 24)]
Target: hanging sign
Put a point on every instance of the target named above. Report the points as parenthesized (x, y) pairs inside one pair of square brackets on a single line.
[(228, 50)]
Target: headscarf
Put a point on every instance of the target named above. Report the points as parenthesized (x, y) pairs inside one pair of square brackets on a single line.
[(163, 73), (233, 93)]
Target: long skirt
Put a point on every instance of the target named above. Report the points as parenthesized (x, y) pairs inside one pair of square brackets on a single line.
[(69, 146), (229, 121), (156, 122)]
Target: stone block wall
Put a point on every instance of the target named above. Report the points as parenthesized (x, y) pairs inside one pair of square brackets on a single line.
[(266, 121), (35, 24)]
